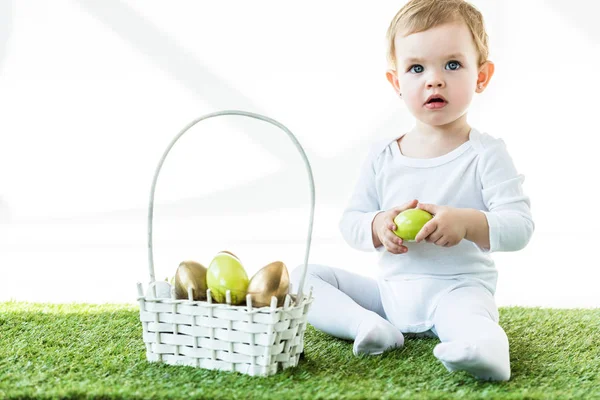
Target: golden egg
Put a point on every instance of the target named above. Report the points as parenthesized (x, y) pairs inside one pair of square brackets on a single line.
[(190, 274), (272, 280)]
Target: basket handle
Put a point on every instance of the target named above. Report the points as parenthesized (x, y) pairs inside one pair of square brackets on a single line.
[(251, 115)]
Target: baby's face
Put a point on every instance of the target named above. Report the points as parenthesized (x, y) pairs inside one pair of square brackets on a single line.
[(441, 60)]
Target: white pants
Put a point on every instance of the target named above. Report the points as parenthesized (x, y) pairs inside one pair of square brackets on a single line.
[(451, 309)]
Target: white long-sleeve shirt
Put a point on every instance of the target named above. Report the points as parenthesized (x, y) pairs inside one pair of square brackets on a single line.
[(479, 174)]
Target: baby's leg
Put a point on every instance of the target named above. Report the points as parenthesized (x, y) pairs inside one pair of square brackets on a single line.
[(466, 321), (348, 306)]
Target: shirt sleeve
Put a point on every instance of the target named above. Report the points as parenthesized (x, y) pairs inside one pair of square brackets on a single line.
[(508, 208), (357, 218)]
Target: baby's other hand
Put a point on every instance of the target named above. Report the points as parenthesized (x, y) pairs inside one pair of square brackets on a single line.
[(446, 228), (385, 227)]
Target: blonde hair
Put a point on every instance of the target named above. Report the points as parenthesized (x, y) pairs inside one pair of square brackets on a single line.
[(420, 15)]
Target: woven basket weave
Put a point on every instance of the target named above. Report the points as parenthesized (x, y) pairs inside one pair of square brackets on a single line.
[(205, 334)]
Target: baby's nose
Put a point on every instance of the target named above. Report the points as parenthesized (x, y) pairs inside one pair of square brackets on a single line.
[(435, 83)]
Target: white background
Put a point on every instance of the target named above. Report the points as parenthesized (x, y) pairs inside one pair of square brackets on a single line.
[(92, 92)]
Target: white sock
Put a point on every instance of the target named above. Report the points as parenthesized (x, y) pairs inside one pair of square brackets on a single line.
[(487, 363), (376, 335)]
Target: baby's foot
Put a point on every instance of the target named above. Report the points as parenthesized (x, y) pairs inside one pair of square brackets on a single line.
[(375, 336), (490, 364)]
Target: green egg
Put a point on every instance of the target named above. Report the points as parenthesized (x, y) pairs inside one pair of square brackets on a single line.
[(409, 223), (226, 272)]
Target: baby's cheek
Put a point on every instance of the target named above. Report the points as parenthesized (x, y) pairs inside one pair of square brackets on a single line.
[(464, 95), (415, 105)]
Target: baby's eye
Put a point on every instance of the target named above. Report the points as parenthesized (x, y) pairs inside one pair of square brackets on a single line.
[(416, 68), (454, 65)]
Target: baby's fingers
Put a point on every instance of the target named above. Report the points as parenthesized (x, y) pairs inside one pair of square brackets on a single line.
[(406, 206), (426, 230), (390, 225), (394, 244)]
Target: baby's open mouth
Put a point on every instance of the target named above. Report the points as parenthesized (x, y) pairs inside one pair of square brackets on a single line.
[(435, 103)]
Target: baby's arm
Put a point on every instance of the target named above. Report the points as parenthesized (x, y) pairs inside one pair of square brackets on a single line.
[(363, 225), (508, 214), (357, 219), (477, 228), (450, 225)]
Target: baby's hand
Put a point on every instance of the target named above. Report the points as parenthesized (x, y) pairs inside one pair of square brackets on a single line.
[(384, 228), (446, 228)]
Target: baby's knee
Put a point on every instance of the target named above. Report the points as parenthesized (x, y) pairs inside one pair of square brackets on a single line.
[(467, 302), (321, 272)]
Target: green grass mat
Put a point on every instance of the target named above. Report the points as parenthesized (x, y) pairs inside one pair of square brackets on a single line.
[(96, 351)]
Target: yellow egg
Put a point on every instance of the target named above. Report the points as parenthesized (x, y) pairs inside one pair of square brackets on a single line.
[(190, 274), (272, 280)]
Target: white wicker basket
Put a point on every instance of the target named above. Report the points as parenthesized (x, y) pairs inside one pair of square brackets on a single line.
[(253, 341)]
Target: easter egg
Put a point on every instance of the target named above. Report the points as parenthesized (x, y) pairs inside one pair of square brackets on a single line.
[(409, 223), (159, 290), (224, 273), (190, 274), (271, 280)]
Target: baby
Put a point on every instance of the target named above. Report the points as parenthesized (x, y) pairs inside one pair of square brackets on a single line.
[(443, 283)]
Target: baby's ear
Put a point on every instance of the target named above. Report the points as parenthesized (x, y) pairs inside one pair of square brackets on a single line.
[(486, 71), (392, 78)]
